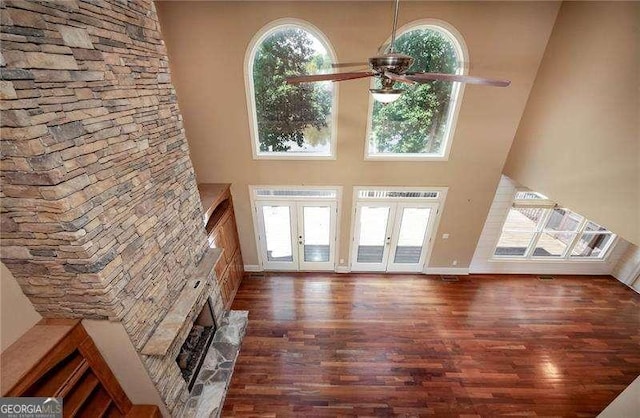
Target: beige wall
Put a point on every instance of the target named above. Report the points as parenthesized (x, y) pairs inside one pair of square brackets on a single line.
[(579, 139), (627, 270), (115, 346), (207, 42), (17, 314), (627, 404), (483, 261)]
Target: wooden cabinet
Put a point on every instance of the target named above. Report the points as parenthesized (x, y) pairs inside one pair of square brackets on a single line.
[(220, 223), (57, 358)]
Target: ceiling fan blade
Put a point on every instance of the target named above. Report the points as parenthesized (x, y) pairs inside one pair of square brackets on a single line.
[(424, 77), (349, 64), (398, 78), (328, 77)]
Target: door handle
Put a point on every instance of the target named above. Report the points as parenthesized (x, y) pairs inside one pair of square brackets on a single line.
[(388, 241)]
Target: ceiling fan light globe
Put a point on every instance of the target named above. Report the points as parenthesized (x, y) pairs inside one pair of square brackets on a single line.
[(386, 95)]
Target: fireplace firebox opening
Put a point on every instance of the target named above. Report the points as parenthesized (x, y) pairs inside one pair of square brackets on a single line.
[(195, 347)]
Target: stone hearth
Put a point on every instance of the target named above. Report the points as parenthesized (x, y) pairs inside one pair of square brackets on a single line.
[(208, 393), (101, 216)]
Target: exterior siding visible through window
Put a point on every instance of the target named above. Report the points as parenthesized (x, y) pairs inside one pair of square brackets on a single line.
[(290, 121)]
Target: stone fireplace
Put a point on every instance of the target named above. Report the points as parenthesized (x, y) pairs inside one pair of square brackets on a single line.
[(100, 213)]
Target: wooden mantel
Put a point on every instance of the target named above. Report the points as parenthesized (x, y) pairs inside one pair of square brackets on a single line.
[(180, 316)]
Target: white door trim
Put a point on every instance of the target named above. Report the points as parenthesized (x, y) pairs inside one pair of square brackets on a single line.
[(262, 240), (382, 265), (253, 199), (428, 237), (440, 200), (323, 265)]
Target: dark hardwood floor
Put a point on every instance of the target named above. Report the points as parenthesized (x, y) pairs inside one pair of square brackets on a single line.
[(332, 345)]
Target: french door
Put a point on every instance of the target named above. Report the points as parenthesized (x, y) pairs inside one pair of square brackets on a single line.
[(297, 235), (392, 236)]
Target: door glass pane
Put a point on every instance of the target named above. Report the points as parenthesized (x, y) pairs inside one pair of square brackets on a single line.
[(558, 233), (373, 231), (594, 227), (518, 231), (523, 219), (413, 228), (591, 245), (553, 244), (513, 243), (563, 220), (277, 230), (317, 228)]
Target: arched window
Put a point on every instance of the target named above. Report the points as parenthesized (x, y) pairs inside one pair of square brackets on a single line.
[(290, 121), (420, 123)]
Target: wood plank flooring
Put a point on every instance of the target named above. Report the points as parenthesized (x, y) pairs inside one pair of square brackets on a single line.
[(409, 345)]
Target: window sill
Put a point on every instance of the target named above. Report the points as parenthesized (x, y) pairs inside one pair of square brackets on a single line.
[(547, 260), (405, 157), (296, 157)]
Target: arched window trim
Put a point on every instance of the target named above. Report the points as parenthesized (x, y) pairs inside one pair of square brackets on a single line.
[(250, 54), (457, 93)]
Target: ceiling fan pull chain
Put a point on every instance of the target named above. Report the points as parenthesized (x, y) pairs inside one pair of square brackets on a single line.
[(395, 25)]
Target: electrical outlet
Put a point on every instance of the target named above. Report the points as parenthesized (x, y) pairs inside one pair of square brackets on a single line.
[(454, 263), (445, 236)]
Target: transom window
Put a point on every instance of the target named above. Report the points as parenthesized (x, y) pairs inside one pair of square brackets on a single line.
[(536, 228), (420, 123), (295, 193), (290, 120), (397, 194)]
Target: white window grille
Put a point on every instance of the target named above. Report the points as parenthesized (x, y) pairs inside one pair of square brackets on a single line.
[(398, 194), (536, 228), (295, 193)]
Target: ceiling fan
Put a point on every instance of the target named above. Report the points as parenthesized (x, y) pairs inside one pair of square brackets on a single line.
[(392, 67)]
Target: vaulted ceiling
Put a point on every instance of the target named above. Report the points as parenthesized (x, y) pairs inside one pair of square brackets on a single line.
[(207, 44)]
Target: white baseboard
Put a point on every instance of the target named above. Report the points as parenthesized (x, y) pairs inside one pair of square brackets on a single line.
[(461, 271), (533, 267), (252, 268), (345, 269)]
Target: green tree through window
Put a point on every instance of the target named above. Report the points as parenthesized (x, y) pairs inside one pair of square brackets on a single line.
[(416, 123), (292, 118)]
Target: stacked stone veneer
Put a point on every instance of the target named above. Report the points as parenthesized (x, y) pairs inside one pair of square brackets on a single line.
[(100, 211)]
